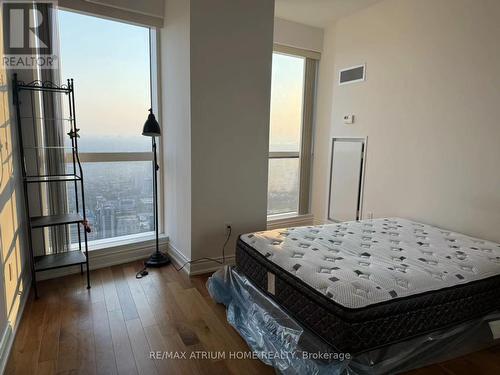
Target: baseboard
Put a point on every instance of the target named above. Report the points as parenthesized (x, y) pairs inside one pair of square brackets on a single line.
[(207, 266), (203, 266), (320, 221), (178, 258), (9, 334), (199, 267), (110, 256)]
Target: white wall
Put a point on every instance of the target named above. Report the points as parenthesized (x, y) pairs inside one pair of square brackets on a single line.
[(322, 128), (216, 143), (176, 118), (14, 267), (231, 56), (430, 108), (294, 34)]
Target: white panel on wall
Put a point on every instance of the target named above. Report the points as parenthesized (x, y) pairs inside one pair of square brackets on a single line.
[(346, 179)]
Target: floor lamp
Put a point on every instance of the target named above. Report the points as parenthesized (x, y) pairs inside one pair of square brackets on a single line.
[(152, 129)]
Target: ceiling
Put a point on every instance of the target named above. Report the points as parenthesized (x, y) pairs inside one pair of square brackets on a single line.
[(319, 13)]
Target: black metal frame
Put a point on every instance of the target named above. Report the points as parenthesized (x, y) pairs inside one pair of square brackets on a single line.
[(158, 258), (77, 175)]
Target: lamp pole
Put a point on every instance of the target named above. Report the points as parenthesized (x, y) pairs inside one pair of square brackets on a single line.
[(155, 193), (152, 129)]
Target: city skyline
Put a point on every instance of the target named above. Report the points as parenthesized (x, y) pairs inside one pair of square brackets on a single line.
[(119, 199), (112, 92)]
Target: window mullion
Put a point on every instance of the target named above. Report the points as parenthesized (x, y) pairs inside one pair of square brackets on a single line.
[(110, 157), (283, 154), (306, 139)]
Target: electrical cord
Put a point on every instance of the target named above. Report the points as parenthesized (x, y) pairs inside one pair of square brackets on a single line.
[(144, 272), (211, 259)]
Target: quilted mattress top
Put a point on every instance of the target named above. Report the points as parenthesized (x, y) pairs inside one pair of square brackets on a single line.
[(362, 263)]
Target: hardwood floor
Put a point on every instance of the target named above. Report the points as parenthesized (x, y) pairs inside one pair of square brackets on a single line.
[(112, 329)]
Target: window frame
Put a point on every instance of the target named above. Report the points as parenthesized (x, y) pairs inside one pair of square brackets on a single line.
[(305, 153), (109, 157)]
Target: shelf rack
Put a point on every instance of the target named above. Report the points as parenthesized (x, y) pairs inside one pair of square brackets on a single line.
[(46, 261)]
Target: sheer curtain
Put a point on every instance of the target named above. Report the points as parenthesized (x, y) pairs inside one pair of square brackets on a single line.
[(53, 132)]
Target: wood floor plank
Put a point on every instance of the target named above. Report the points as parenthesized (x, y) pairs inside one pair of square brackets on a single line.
[(211, 332), (121, 344), (109, 289), (141, 302), (484, 362), (429, 370), (51, 329), (479, 363), (219, 311), (187, 333), (167, 297), (104, 352), (127, 303), (68, 359), (175, 345), (191, 300), (161, 345), (153, 296), (96, 292), (113, 327), (140, 347), (30, 347), (46, 368), (16, 354), (198, 355), (179, 277), (76, 352), (85, 339), (200, 283)]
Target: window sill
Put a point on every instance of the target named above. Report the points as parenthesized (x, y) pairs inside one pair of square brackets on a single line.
[(288, 220), (139, 239), (125, 247), (130, 240), (118, 251)]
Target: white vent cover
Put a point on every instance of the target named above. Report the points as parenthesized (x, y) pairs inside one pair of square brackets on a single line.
[(352, 74)]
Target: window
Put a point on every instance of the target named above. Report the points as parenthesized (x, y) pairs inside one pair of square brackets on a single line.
[(292, 88), (110, 64)]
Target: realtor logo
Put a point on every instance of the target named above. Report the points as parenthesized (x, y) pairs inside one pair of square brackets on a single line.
[(28, 32)]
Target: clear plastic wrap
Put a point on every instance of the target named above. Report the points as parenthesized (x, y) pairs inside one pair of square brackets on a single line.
[(279, 341)]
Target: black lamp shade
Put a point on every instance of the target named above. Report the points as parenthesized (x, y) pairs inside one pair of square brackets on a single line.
[(151, 127)]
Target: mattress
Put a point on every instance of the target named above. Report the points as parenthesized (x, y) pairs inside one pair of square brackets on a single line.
[(363, 285)]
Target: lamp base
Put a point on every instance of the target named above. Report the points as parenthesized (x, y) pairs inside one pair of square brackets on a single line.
[(157, 259)]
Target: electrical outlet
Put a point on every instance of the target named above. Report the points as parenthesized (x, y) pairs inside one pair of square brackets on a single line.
[(227, 227)]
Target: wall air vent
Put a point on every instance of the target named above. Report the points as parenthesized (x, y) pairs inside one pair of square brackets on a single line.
[(352, 74)]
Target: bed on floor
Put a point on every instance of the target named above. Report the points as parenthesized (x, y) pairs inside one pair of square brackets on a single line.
[(364, 285)]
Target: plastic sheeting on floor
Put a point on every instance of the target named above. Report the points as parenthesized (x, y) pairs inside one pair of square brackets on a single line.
[(279, 341)]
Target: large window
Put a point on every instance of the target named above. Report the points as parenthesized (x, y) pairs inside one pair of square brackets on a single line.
[(290, 136), (110, 64)]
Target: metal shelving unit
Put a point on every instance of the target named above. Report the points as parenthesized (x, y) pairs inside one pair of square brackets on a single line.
[(67, 258)]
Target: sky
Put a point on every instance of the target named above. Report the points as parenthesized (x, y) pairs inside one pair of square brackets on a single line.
[(286, 102), (109, 62)]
